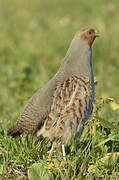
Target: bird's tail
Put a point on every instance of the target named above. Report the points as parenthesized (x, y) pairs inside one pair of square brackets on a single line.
[(14, 131)]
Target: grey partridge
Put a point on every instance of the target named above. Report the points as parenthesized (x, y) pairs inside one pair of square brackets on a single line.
[(60, 109)]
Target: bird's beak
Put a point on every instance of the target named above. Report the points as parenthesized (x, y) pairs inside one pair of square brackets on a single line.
[(97, 33)]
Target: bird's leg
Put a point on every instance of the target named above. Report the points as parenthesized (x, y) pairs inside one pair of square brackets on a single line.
[(52, 149), (63, 152)]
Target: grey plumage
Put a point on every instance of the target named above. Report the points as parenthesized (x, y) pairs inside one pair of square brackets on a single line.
[(77, 62)]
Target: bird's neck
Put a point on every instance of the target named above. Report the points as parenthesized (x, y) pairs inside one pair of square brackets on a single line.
[(78, 61)]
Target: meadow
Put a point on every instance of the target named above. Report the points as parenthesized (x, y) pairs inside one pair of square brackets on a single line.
[(34, 37)]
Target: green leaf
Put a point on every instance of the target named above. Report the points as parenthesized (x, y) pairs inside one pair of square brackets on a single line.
[(106, 123), (112, 137), (37, 171), (114, 106), (1, 169)]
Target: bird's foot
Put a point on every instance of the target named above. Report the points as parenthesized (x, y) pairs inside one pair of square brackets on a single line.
[(52, 149)]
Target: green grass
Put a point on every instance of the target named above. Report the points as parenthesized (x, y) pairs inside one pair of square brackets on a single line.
[(34, 37)]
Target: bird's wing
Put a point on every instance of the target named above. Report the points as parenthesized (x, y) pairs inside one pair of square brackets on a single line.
[(35, 111), (70, 106)]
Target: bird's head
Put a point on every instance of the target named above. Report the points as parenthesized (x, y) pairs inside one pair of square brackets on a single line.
[(88, 34)]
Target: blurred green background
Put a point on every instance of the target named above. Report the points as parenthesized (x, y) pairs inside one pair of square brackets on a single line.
[(34, 38)]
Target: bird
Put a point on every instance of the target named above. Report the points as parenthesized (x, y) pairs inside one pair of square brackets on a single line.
[(60, 109)]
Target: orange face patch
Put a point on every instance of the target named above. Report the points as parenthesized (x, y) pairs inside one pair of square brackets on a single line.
[(89, 35)]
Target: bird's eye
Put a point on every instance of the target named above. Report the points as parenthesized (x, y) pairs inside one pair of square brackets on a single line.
[(89, 32)]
